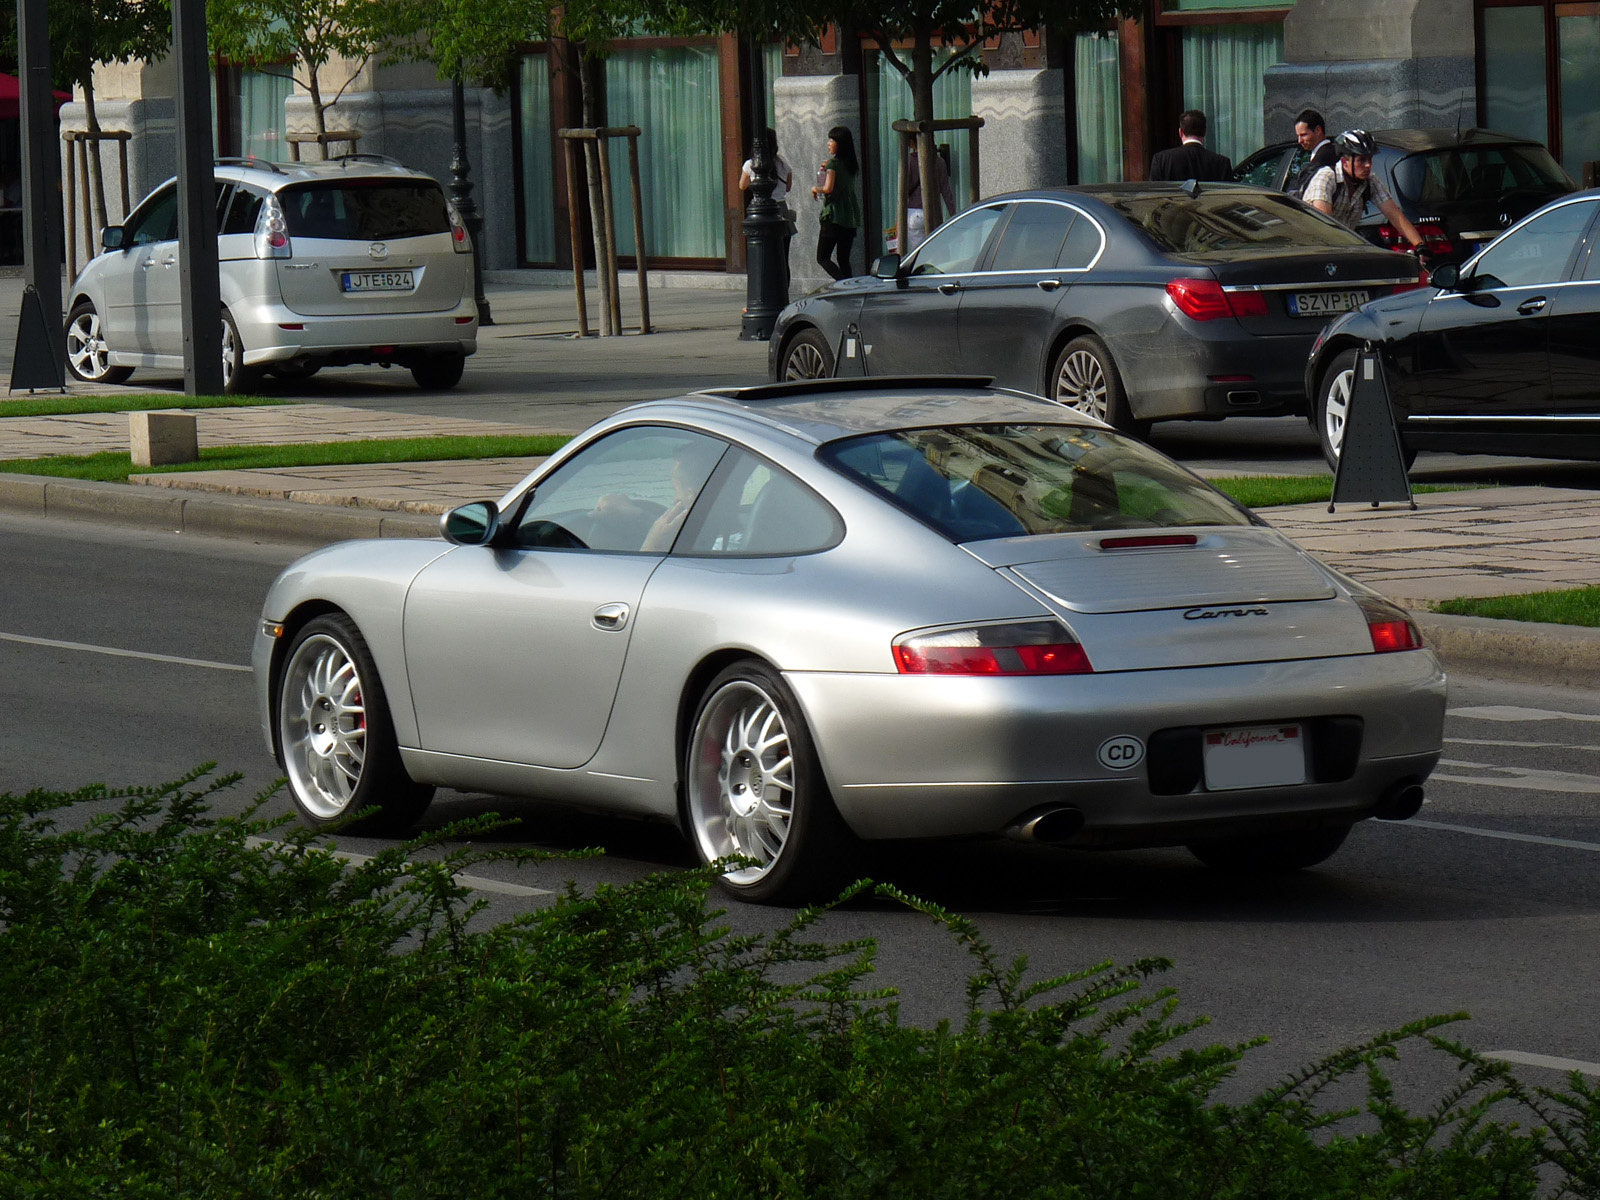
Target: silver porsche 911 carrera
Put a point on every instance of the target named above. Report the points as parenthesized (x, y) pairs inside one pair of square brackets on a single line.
[(793, 617)]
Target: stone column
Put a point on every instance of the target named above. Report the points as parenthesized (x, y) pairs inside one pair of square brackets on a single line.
[(1023, 142)]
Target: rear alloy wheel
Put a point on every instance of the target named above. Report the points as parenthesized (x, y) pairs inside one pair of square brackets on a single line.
[(753, 788), (439, 372), (807, 356), (335, 738), (1271, 853), (88, 357), (1084, 379), (1333, 409), (237, 379)]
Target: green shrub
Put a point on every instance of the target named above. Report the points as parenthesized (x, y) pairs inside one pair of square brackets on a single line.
[(199, 1006)]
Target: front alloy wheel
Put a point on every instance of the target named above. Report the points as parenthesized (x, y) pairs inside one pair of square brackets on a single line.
[(324, 727), (88, 356)]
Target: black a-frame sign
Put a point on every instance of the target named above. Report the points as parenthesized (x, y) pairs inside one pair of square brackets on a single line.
[(35, 364), (1372, 466)]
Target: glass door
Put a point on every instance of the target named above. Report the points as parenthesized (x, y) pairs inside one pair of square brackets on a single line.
[(1578, 41)]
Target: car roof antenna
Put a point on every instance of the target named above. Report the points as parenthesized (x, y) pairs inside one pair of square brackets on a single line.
[(1191, 188)]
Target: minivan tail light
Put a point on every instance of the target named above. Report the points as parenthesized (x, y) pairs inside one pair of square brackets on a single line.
[(272, 231), (1206, 300), (1022, 648), (1388, 625), (459, 241)]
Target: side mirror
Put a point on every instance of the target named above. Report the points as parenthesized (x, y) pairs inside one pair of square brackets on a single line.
[(887, 267), (1446, 278), (111, 237), (472, 524)]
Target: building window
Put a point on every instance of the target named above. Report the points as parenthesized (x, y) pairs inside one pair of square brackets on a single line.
[(538, 167), (1537, 65), (672, 94), (1224, 76), (1097, 106), (888, 101), (247, 110)]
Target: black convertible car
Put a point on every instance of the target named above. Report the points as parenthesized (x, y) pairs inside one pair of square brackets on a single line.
[(1132, 302), (1500, 355)]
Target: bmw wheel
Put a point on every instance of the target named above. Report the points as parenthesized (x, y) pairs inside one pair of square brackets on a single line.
[(753, 789), (1085, 379), (807, 356), (335, 738), (88, 357)]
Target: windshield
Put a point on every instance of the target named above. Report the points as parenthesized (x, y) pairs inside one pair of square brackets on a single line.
[(367, 210), (1477, 173), (986, 481), (1230, 220)]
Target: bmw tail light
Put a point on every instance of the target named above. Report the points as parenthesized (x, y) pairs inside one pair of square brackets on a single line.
[(459, 241), (1022, 648), (1205, 300), (1389, 626), (272, 231)]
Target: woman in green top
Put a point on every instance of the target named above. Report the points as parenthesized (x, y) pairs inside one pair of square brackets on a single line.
[(841, 202)]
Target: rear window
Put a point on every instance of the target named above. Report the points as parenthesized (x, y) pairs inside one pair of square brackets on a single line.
[(1477, 173), (973, 482), (1229, 220), (367, 210)]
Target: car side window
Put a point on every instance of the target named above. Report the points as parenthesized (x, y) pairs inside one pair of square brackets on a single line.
[(753, 508), (1261, 170), (627, 493), (242, 213), (955, 248), (1081, 247), (224, 194), (1537, 253), (156, 220), (1033, 237)]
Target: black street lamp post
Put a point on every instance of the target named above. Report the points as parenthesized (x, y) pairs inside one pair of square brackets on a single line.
[(461, 193), (765, 226)]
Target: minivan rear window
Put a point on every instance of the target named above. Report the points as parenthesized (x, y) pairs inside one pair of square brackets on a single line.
[(1227, 220), (365, 210)]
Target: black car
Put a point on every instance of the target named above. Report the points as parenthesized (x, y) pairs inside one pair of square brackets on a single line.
[(1501, 355), (1460, 188), (1133, 302)]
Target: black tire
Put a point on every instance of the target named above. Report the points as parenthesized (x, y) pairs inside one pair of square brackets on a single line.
[(807, 356), (1084, 378), (746, 726), (86, 348), (439, 372), (336, 740), (237, 379), (1333, 404), (294, 370), (1271, 853)]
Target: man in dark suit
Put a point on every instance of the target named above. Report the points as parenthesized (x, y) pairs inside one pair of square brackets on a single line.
[(1312, 135), (1191, 159)]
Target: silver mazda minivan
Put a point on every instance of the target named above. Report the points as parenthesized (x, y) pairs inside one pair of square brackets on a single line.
[(353, 260)]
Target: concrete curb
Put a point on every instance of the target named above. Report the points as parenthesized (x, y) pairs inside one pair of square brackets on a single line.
[(1523, 651), (205, 513)]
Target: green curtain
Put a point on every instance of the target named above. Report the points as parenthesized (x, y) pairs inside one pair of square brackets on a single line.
[(888, 101), (1097, 87), (1224, 76), (672, 94), (261, 125), (538, 171)]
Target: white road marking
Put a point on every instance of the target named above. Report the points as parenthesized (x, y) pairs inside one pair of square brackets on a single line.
[(479, 883), (1502, 834), (1521, 745), (1527, 778), (1522, 1057), (115, 652), (1512, 712)]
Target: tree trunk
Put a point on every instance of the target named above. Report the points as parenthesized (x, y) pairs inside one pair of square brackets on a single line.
[(922, 113), (319, 112), (589, 75), (96, 184)]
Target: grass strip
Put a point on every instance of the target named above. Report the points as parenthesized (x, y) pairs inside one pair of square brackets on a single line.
[(1569, 606), (116, 466), (1266, 491), (55, 406)]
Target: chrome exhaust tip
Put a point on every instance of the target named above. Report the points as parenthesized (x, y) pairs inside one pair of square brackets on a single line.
[(1050, 826), (1400, 803)]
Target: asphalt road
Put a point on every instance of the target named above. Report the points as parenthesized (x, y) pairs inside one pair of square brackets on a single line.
[(1489, 902)]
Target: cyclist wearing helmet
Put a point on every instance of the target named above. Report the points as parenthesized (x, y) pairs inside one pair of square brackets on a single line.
[(1342, 190)]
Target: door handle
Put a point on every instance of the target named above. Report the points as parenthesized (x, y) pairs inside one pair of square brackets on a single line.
[(610, 616), (147, 263), (1529, 307), (1047, 285), (170, 260), (949, 289)]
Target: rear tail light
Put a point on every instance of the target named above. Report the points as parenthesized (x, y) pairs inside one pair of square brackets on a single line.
[(272, 231), (1433, 236), (459, 241), (1388, 625), (1205, 300), (1023, 648)]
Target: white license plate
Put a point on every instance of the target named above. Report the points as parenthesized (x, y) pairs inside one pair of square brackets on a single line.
[(1254, 756), (1322, 304), (378, 281)]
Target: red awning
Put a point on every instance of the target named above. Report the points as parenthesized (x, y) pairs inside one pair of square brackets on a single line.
[(9, 89)]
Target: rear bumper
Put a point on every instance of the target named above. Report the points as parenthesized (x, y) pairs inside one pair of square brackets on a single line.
[(1215, 369), (921, 756), (403, 337)]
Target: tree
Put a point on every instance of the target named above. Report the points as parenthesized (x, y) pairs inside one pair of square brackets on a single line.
[(304, 34)]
